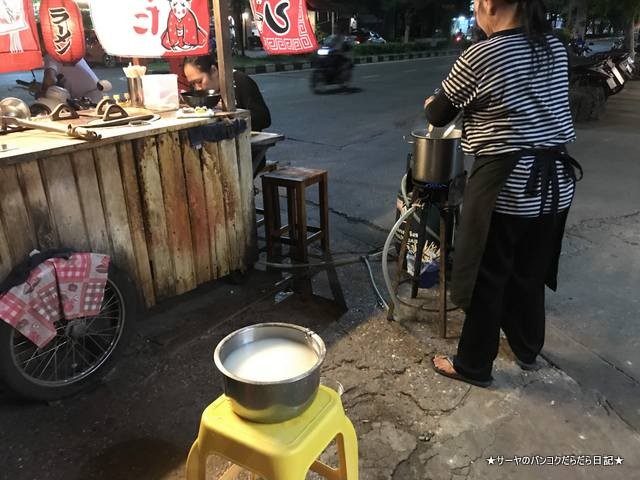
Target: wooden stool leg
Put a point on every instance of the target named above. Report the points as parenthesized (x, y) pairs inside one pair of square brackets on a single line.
[(292, 216), (273, 221), (268, 215), (196, 467), (301, 225), (324, 212)]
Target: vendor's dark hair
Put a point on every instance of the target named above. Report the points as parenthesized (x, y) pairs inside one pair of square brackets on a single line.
[(535, 24), (203, 62)]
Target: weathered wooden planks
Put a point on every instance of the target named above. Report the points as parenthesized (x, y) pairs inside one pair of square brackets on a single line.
[(215, 209), (155, 219), (38, 206), (172, 216), (136, 221), (6, 262), (115, 208), (19, 232), (198, 220), (65, 203), (91, 201), (247, 201), (177, 211), (234, 215)]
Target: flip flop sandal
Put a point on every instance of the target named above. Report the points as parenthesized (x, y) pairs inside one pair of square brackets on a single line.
[(529, 367), (457, 376)]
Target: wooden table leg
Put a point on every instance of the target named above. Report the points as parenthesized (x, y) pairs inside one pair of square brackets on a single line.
[(324, 211)]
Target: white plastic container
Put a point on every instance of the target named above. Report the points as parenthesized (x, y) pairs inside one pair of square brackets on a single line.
[(161, 92)]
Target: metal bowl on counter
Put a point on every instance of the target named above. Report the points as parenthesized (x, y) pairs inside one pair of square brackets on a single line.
[(271, 371), (201, 98)]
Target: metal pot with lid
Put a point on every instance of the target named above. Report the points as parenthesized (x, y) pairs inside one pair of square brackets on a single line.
[(437, 154)]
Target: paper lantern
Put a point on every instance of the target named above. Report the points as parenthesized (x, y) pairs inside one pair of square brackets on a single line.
[(19, 46), (62, 30)]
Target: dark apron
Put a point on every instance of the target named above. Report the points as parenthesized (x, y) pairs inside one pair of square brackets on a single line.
[(488, 176)]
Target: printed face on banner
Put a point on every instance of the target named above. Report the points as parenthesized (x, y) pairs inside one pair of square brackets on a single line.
[(284, 26), (152, 28), (12, 17), (19, 46)]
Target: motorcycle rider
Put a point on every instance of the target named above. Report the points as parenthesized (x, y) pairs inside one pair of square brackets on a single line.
[(78, 79), (340, 52)]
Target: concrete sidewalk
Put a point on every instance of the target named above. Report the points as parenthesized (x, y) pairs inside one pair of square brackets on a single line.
[(304, 65)]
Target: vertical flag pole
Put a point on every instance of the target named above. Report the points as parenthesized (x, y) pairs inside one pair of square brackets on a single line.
[(223, 46)]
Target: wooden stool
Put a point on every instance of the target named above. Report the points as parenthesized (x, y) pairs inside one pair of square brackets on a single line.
[(297, 232), (277, 451)]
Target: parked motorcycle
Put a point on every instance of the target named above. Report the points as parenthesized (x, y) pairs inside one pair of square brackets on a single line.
[(591, 83), (332, 64), (57, 94)]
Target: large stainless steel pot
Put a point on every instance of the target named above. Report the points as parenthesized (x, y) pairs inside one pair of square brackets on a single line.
[(270, 402), (437, 155)]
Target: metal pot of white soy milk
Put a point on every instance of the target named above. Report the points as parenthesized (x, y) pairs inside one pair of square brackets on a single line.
[(271, 371), (437, 154)]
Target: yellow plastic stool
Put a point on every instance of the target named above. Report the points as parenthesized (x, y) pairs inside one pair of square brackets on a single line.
[(277, 451)]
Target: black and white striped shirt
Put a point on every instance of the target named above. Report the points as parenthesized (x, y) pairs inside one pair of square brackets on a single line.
[(513, 102)]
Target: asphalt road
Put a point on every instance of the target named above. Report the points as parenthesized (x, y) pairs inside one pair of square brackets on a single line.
[(356, 135), (358, 138)]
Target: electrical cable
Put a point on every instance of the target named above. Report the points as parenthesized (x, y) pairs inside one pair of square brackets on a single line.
[(381, 301), (384, 253)]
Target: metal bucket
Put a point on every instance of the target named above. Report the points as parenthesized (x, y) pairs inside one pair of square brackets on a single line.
[(437, 155), (274, 401)]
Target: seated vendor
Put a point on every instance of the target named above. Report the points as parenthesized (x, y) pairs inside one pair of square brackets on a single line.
[(202, 74)]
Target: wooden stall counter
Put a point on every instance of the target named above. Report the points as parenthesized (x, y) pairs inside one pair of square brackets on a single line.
[(172, 216)]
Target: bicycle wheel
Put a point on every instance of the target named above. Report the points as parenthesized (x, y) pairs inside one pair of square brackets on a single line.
[(83, 351)]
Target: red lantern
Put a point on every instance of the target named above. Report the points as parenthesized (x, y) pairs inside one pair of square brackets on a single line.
[(62, 30), (19, 46)]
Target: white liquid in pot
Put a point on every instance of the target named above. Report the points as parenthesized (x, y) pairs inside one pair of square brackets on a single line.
[(270, 360)]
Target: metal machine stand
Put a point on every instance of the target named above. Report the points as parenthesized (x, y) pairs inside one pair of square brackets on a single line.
[(447, 199)]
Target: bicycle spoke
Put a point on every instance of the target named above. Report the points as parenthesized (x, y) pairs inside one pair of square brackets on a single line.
[(101, 347), (44, 369), (80, 345), (115, 327)]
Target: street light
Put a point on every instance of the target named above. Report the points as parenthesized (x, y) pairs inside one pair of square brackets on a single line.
[(245, 17)]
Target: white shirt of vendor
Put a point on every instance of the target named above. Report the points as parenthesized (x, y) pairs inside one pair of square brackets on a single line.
[(79, 79)]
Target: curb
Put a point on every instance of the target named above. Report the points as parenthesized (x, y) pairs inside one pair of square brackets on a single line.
[(287, 67)]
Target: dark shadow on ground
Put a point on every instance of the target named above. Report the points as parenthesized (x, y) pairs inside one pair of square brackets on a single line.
[(139, 458)]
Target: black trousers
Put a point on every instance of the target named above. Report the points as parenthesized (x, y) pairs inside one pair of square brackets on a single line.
[(509, 292)]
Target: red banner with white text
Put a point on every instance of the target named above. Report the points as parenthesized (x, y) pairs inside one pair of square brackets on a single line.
[(284, 26)]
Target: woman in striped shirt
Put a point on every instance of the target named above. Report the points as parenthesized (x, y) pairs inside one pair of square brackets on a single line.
[(513, 91)]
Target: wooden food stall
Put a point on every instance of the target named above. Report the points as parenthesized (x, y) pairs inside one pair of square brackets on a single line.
[(171, 215)]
